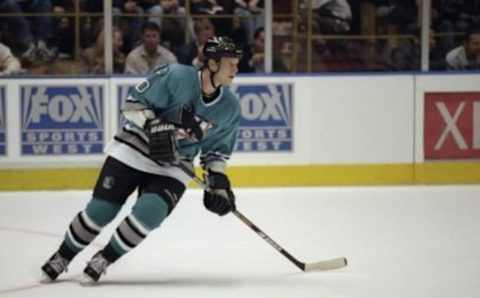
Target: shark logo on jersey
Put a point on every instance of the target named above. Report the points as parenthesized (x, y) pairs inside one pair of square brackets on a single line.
[(205, 125), (3, 122), (62, 119), (267, 123)]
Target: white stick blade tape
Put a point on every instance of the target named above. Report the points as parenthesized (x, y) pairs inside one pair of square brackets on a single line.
[(327, 264)]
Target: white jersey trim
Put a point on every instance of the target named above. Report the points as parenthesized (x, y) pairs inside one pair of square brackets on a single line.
[(136, 160)]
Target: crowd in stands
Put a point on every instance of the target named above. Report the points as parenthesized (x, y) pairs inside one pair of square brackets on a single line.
[(149, 33), (454, 34)]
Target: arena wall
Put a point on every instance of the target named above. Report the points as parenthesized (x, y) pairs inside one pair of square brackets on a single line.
[(302, 130)]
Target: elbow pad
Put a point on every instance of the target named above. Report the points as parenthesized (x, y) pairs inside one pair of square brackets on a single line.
[(139, 117)]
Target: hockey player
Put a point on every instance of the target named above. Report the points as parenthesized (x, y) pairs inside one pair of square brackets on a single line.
[(177, 113)]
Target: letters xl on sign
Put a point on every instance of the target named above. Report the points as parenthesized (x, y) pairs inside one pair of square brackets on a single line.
[(62, 119), (452, 125)]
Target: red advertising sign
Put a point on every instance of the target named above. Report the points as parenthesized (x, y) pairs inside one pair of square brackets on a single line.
[(452, 125)]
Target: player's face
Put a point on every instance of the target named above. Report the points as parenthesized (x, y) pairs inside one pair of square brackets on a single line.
[(228, 68)]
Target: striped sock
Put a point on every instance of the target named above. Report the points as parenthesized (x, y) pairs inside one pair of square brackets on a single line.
[(127, 236), (81, 232)]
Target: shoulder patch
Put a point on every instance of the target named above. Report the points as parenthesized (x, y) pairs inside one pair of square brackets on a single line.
[(142, 86)]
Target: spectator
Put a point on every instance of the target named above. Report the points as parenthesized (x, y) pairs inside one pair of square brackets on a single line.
[(331, 16), (129, 18), (29, 39), (466, 56), (64, 31), (437, 53), (254, 55), (150, 54), (451, 17), (209, 7), (192, 53), (239, 32), (173, 23), (93, 58), (9, 64), (228, 6), (253, 59), (63, 5), (147, 4), (252, 16), (97, 6), (407, 55), (399, 15), (212, 8), (89, 24)]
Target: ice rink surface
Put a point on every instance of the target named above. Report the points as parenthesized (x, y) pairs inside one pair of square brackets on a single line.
[(401, 242)]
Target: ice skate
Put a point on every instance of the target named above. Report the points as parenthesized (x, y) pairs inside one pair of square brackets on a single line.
[(95, 268), (53, 268)]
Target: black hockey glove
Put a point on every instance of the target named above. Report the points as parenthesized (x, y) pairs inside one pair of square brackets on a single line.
[(162, 142), (190, 124), (219, 198)]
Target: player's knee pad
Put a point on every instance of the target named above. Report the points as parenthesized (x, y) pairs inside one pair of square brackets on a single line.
[(101, 212), (150, 209), (169, 189)]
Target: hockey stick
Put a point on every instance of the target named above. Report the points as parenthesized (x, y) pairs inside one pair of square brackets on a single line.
[(330, 264)]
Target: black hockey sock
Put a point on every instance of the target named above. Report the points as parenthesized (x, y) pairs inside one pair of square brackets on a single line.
[(66, 252), (110, 254)]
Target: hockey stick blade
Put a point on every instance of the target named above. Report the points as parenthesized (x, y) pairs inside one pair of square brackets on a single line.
[(325, 265)]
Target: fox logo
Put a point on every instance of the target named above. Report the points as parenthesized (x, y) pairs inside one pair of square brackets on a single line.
[(62, 119), (62, 106), (267, 103), (267, 117)]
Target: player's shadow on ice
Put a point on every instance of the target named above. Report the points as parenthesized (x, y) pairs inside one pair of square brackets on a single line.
[(220, 282), (171, 282)]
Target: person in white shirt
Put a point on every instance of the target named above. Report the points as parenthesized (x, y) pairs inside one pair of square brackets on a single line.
[(9, 64), (150, 54), (467, 55)]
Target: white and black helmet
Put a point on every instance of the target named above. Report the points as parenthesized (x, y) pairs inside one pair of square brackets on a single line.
[(220, 46)]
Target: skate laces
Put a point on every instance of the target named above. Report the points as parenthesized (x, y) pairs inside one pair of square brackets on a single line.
[(59, 263), (99, 264)]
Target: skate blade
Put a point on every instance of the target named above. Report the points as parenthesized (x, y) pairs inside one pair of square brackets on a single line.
[(45, 279), (87, 281)]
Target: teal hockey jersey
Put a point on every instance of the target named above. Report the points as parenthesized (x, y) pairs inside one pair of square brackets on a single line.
[(171, 88)]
